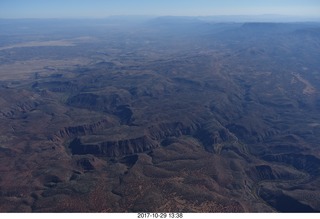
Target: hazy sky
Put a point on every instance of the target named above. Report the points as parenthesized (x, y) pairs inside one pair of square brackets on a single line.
[(105, 8)]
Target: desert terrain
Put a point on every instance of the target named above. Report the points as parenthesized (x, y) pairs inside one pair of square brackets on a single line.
[(159, 115)]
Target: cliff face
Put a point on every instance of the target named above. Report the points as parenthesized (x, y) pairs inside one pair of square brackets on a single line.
[(18, 108), (86, 129), (307, 163), (148, 139), (99, 102), (113, 148), (176, 129)]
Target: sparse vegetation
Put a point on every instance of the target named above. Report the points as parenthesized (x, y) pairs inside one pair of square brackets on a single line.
[(159, 117)]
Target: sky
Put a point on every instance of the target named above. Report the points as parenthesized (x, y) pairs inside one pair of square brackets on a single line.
[(105, 8)]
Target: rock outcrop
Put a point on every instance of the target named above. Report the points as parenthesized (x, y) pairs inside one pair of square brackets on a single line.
[(113, 148), (86, 129), (132, 141)]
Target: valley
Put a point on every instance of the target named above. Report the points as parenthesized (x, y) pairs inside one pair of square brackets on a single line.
[(165, 115)]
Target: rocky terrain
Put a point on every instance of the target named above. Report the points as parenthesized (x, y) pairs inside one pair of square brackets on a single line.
[(165, 115)]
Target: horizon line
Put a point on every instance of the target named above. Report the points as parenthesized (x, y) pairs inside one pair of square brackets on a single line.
[(269, 15)]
